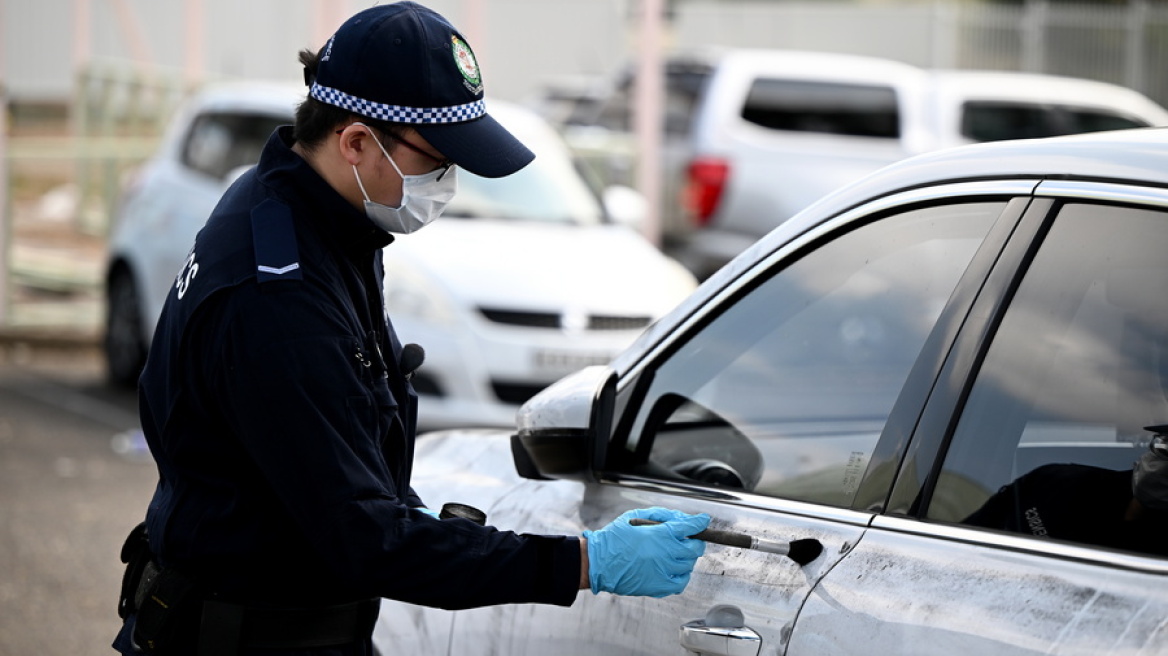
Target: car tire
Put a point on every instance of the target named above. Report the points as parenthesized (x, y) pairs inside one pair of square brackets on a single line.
[(124, 343)]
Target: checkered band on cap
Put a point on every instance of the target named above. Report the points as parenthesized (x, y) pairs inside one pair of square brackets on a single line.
[(398, 113)]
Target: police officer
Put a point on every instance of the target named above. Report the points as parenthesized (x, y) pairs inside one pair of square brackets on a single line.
[(1118, 508), (276, 405)]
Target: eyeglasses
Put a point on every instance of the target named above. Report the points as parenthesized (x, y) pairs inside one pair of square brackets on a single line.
[(442, 163)]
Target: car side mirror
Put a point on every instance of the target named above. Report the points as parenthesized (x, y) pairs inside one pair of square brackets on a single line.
[(563, 431)]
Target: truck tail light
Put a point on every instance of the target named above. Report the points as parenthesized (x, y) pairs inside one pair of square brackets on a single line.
[(705, 180)]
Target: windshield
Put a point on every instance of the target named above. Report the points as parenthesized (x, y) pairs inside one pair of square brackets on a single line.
[(548, 190)]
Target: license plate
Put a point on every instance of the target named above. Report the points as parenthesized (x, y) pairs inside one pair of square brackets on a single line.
[(567, 361)]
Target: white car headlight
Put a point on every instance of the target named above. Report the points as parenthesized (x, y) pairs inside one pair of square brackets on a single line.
[(411, 293)]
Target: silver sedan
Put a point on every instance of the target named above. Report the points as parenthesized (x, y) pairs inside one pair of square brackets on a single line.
[(941, 376)]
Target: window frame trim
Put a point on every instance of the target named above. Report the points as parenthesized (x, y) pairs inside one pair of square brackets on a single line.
[(942, 412), (737, 498), (1117, 193), (1021, 543)]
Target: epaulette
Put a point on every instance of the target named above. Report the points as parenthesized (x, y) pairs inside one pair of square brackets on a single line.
[(277, 256)]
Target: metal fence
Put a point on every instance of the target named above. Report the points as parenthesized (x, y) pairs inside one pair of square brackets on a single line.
[(1122, 44), (1126, 45)]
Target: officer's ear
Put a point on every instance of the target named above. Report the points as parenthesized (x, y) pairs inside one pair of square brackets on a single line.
[(353, 143)]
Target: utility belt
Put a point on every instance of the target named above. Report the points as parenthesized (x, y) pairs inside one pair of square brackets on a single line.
[(170, 610)]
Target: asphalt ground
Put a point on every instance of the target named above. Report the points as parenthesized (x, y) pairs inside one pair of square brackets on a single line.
[(67, 495)]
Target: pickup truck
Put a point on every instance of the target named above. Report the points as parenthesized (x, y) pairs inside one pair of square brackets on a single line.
[(753, 136), (774, 131)]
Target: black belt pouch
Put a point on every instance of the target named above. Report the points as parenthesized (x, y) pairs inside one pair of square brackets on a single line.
[(167, 610)]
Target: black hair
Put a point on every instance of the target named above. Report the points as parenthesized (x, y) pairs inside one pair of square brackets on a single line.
[(316, 120)]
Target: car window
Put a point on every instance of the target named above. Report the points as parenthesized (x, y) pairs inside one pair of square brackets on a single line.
[(825, 107), (1087, 120), (218, 143), (998, 120), (786, 391), (1076, 370)]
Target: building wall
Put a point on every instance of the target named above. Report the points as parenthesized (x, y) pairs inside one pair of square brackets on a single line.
[(523, 44)]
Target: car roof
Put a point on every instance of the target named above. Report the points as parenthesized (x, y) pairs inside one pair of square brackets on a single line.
[(1043, 89), (251, 95), (255, 96), (817, 65), (1137, 156)]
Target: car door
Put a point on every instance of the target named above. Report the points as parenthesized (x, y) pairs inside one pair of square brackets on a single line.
[(765, 410), (1011, 528)]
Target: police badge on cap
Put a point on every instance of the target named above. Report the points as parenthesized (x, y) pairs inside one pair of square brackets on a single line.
[(467, 65), (404, 63)]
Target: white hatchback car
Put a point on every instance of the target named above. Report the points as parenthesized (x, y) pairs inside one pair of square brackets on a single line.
[(942, 374), (524, 279)]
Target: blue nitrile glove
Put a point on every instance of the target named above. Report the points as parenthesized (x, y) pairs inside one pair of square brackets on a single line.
[(645, 561), (432, 513)]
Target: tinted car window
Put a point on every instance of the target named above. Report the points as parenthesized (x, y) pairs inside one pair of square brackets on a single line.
[(808, 106), (1077, 369), (221, 142), (995, 121), (1086, 120), (786, 392)]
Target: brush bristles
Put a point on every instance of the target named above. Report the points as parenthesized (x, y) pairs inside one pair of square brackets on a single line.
[(805, 551)]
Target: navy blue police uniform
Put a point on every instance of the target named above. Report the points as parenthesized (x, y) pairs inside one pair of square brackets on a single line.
[(283, 426), (1077, 503)]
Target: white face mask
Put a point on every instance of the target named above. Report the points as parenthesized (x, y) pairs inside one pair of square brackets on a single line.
[(423, 198)]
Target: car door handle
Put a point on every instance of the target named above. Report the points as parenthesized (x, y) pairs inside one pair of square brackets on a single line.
[(720, 633)]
